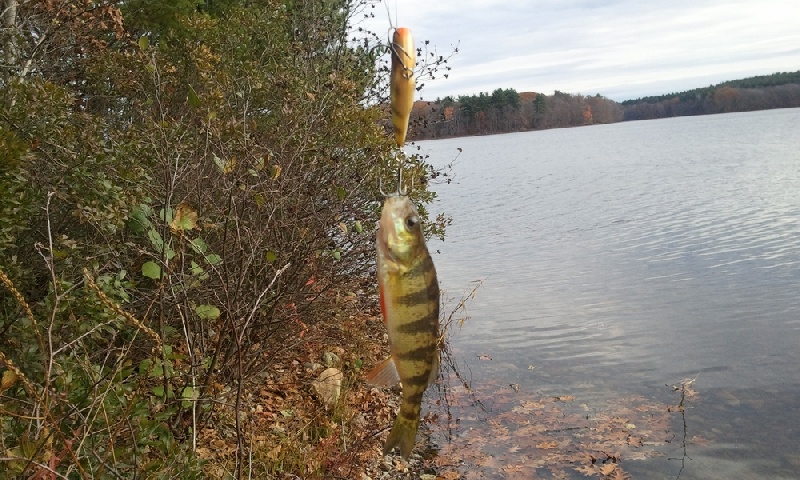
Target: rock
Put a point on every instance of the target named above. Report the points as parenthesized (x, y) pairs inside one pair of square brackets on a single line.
[(328, 386), (330, 359), (313, 366)]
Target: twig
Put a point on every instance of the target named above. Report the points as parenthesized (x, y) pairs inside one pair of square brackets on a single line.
[(259, 299)]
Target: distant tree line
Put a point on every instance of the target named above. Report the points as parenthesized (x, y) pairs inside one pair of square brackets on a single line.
[(505, 110), (722, 98)]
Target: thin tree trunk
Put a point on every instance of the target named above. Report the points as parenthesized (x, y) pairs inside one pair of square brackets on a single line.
[(9, 13)]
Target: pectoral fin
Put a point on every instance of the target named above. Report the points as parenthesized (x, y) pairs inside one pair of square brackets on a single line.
[(384, 374)]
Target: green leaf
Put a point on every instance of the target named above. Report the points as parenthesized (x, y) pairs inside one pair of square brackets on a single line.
[(167, 215), (196, 269), (151, 270), (213, 259), (144, 366), (358, 227), (192, 98), (188, 393), (138, 221), (155, 239), (198, 245), (207, 312), (270, 256), (144, 42), (158, 391)]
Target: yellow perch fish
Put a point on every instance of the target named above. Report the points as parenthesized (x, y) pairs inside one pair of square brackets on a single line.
[(409, 294), (401, 82)]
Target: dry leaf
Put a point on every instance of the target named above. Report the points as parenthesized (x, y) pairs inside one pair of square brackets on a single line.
[(608, 469), (185, 218)]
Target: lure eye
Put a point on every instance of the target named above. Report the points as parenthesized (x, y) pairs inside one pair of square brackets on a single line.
[(412, 221)]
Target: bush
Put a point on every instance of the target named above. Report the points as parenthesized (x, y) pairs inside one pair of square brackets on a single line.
[(175, 208)]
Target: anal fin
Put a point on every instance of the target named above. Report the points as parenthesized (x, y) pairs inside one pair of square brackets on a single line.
[(384, 374)]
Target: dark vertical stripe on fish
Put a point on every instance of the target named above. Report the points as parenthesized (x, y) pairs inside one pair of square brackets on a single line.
[(424, 353), (419, 268), (419, 380), (426, 294), (422, 324), (414, 399)]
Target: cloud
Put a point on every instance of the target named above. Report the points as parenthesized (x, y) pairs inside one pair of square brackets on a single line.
[(620, 48)]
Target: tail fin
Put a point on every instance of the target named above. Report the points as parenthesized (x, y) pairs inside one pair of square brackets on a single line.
[(403, 435)]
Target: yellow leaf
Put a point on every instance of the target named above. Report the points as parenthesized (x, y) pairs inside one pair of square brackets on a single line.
[(225, 166), (9, 379), (185, 218), (547, 445)]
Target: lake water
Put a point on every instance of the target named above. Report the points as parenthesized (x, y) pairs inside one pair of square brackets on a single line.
[(616, 260)]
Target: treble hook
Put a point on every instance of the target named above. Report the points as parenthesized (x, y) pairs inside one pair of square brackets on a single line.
[(395, 48), (399, 190)]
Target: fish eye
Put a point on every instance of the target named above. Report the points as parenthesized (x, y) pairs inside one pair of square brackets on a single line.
[(412, 221)]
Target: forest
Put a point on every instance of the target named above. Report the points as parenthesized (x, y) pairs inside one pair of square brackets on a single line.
[(506, 110)]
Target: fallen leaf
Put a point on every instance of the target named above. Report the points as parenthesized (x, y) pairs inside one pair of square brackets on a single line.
[(608, 469)]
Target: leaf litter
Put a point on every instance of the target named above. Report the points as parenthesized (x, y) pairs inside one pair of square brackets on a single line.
[(531, 435)]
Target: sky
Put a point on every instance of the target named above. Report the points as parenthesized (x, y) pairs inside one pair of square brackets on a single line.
[(621, 49)]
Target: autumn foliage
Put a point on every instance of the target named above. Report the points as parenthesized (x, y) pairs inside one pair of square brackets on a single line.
[(185, 192)]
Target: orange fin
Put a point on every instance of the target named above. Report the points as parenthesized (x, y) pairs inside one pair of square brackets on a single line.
[(384, 374)]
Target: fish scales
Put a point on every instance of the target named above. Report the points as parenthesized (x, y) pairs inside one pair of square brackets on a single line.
[(410, 305)]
